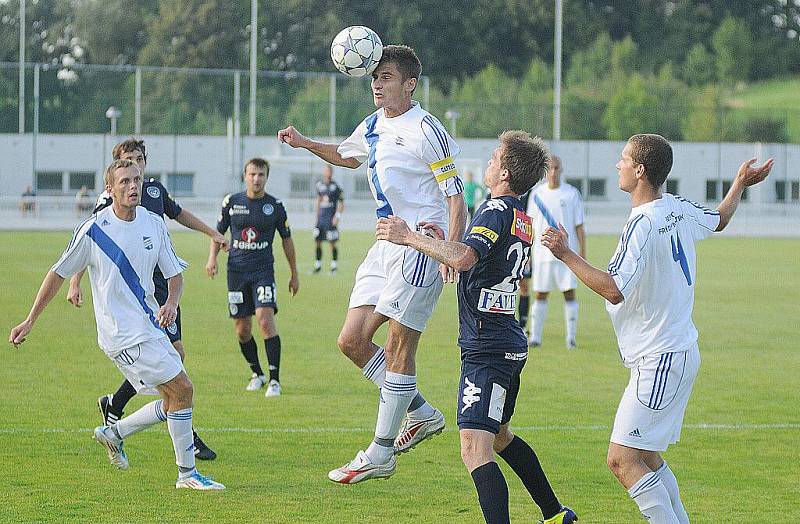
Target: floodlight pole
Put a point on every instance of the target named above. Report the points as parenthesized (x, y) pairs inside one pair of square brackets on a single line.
[(253, 56), (557, 72), (21, 66)]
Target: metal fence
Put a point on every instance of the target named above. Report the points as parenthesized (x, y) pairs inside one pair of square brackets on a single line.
[(182, 101)]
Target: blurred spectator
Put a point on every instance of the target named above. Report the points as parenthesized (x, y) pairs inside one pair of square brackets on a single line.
[(83, 201), (474, 193), (28, 202)]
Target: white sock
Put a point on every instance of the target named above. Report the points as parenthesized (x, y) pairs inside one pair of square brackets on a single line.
[(375, 370), (396, 395), (334, 265), (538, 316), (571, 319), (317, 264), (180, 430), (671, 483), (146, 416), (653, 500)]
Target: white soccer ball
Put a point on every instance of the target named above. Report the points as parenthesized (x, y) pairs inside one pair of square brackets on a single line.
[(356, 51)]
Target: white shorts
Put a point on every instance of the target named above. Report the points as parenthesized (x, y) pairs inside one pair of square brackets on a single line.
[(552, 273), (402, 284), (149, 364), (650, 414)]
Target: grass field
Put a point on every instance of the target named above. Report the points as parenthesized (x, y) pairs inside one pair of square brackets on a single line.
[(774, 98), (737, 461)]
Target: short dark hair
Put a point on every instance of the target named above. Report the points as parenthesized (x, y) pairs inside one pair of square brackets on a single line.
[(128, 146), (259, 163), (406, 59), (655, 154), (525, 158)]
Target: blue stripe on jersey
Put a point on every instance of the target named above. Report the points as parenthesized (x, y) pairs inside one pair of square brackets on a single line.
[(440, 136), (617, 262), (384, 209), (705, 210), (545, 212), (115, 253)]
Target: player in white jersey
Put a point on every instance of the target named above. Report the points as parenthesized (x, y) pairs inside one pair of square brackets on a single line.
[(121, 245), (553, 203), (649, 288), (409, 156)]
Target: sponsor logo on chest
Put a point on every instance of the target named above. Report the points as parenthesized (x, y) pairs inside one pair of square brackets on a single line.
[(522, 226), (249, 240), (238, 209), (494, 301)]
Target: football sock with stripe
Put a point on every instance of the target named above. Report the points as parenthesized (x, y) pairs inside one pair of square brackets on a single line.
[(538, 317), (492, 493), (250, 352), (375, 371), (524, 303), (179, 424), (396, 395), (571, 318), (273, 347), (121, 398), (671, 483), (146, 416), (523, 460), (653, 500)]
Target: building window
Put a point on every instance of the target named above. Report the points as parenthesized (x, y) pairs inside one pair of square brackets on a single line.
[(780, 191), (711, 190), (49, 182), (300, 184), (672, 187), (362, 189), (795, 191), (716, 190), (180, 184), (597, 187), (787, 191), (578, 184), (80, 179)]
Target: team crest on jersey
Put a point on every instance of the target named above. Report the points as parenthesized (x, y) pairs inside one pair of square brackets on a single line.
[(148, 243), (153, 191), (268, 209), (522, 227), (495, 204)]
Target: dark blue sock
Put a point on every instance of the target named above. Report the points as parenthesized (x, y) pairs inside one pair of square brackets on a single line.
[(492, 493), (522, 459)]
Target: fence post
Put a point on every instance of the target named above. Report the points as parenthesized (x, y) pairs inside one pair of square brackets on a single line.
[(21, 66), (137, 96), (34, 156), (426, 93), (332, 107)]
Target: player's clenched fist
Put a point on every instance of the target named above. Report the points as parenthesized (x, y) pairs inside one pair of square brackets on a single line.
[(394, 229), (291, 136)]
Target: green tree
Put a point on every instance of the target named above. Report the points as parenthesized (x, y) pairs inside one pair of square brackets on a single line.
[(631, 110), (733, 49), (698, 70)]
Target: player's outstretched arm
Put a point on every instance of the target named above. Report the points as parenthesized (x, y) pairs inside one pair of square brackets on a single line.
[(595, 279), (327, 152), (75, 294), (288, 250), (748, 175), (457, 255), (187, 219), (50, 285)]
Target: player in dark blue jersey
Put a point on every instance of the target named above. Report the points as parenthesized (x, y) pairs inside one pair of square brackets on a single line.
[(493, 346), (329, 208), (253, 216), (154, 198)]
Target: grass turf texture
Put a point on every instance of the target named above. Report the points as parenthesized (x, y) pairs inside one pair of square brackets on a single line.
[(274, 454)]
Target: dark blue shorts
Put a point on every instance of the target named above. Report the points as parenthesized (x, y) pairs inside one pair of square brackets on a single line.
[(161, 294), (487, 392), (326, 232), (248, 291)]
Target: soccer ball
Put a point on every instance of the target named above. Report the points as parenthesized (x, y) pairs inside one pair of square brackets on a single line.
[(356, 50)]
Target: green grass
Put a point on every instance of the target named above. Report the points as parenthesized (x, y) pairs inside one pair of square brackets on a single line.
[(274, 453), (776, 98)]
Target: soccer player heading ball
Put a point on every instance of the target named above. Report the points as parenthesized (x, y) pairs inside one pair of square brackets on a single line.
[(404, 147)]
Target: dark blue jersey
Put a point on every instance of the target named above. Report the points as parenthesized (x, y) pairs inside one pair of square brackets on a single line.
[(329, 195), (253, 223), (500, 232)]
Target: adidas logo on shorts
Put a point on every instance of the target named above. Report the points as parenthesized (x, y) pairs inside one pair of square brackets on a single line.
[(635, 433)]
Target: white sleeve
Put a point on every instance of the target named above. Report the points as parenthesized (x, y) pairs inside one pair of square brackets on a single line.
[(438, 150), (78, 253), (627, 265), (578, 208), (703, 220), (169, 263), (356, 146)]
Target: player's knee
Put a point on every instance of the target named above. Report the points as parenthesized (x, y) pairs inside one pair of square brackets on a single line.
[(348, 343), (474, 454), (616, 463), (184, 390), (503, 439)]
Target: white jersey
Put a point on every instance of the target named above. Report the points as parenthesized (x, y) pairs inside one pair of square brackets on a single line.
[(654, 267), (121, 257), (562, 205), (409, 164)]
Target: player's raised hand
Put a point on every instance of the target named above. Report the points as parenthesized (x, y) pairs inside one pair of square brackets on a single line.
[(221, 241), (18, 334), (750, 175), (392, 229), (556, 241), (212, 268), (291, 136), (75, 295), (294, 284)]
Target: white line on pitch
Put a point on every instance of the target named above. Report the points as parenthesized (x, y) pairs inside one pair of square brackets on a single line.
[(728, 427)]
